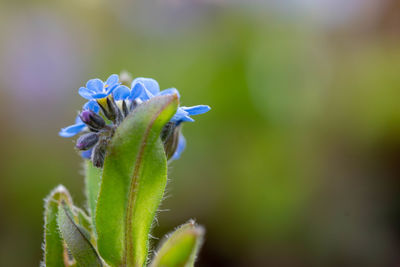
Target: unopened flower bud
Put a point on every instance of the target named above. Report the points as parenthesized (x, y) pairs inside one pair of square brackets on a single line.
[(93, 120), (87, 141), (99, 153), (170, 137)]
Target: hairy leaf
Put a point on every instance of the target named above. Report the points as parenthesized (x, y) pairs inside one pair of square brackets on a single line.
[(180, 247), (92, 183), (76, 238), (133, 183), (53, 246), (84, 221)]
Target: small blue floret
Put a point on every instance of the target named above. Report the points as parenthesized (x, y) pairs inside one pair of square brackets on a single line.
[(96, 88), (146, 88)]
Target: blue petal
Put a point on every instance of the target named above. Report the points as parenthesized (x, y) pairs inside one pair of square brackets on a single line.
[(170, 91), (113, 79), (149, 84), (92, 105), (196, 110), (180, 113), (146, 95), (85, 93), (99, 95), (186, 118), (121, 92), (140, 91), (137, 90), (72, 130), (180, 116), (180, 148), (95, 85), (87, 154), (78, 120), (111, 88)]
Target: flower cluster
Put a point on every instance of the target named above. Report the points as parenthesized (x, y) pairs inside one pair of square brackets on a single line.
[(109, 103)]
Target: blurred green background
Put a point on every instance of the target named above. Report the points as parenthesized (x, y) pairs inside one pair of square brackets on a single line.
[(298, 162)]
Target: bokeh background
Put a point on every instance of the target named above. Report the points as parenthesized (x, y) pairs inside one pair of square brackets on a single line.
[(298, 162)]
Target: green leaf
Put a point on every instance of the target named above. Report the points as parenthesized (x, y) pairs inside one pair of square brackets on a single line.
[(92, 183), (180, 248), (133, 183), (53, 246), (76, 238), (84, 221)]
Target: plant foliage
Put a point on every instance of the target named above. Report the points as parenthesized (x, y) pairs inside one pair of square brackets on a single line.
[(122, 200)]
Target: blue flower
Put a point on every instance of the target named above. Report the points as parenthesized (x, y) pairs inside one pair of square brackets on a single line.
[(97, 133), (142, 89), (184, 113), (146, 88), (79, 126), (96, 88)]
